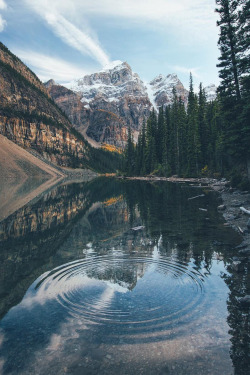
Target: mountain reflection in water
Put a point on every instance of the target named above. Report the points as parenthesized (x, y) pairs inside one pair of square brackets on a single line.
[(114, 277)]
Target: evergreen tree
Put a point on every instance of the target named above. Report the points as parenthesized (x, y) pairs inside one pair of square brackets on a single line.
[(193, 141), (244, 50), (228, 44), (140, 151), (244, 37), (174, 159), (234, 45), (161, 137), (202, 127), (182, 138), (130, 155), (168, 139), (215, 147), (150, 154)]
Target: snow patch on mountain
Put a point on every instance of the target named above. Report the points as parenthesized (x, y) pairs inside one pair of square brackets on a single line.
[(113, 65), (211, 92), (162, 89), (151, 94), (112, 83), (117, 81), (105, 104)]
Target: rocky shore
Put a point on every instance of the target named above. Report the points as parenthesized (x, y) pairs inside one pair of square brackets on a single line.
[(232, 200), (235, 208)]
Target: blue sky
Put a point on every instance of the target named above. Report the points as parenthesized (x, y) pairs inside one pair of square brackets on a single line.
[(66, 39)]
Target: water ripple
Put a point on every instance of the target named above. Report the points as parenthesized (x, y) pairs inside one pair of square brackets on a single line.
[(142, 293)]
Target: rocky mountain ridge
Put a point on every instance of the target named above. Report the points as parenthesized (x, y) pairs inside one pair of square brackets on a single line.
[(103, 105), (30, 118), (162, 89)]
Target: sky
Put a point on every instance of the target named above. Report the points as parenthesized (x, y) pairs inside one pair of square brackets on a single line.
[(67, 39)]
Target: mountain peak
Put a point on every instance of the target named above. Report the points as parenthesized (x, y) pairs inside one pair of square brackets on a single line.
[(114, 81), (49, 83), (162, 79), (113, 65), (161, 88)]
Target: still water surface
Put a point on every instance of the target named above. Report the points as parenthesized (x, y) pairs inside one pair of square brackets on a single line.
[(111, 277)]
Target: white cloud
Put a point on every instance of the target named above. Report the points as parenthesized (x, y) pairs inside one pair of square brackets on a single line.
[(3, 4), (185, 16), (3, 23), (47, 67), (190, 21), (183, 23), (70, 34), (183, 69), (67, 31)]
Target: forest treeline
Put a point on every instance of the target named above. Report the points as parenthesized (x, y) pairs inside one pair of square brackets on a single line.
[(204, 138)]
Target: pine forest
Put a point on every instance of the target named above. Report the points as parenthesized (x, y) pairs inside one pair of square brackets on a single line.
[(204, 138)]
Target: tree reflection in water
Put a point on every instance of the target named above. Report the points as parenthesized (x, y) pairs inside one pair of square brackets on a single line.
[(74, 220)]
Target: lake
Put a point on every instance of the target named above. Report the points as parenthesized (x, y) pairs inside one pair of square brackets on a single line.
[(121, 277)]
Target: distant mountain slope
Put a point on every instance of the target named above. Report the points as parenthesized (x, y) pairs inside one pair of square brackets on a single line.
[(22, 176), (103, 105), (30, 118)]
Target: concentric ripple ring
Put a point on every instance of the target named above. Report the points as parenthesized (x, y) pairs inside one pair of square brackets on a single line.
[(142, 293)]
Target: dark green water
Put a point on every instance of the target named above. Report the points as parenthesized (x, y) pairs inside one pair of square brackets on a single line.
[(111, 277)]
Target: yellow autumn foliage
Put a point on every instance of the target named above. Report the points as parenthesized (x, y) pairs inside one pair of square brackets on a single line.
[(113, 200), (111, 148)]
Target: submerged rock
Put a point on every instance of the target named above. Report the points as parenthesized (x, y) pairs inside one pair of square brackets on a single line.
[(248, 224), (138, 228), (236, 203), (222, 207)]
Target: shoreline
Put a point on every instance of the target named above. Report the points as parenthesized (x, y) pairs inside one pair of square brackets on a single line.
[(232, 200)]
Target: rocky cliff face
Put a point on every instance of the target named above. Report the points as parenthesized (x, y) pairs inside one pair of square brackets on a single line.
[(29, 117), (58, 146)]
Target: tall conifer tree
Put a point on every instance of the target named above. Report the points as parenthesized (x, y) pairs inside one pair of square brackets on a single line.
[(193, 141), (130, 155), (202, 126), (182, 138), (234, 67), (228, 44), (150, 154)]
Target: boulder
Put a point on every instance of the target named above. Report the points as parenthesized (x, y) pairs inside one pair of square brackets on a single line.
[(222, 207)]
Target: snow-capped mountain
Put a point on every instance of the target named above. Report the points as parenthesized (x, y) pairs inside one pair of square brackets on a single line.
[(103, 105), (112, 83), (211, 92), (162, 89)]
